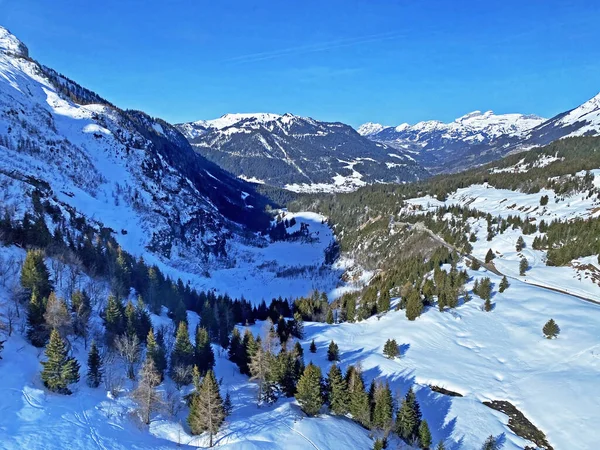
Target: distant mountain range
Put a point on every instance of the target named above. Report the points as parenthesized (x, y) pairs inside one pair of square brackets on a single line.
[(299, 153), (478, 138)]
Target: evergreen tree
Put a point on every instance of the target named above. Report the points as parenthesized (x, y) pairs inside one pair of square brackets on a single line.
[(414, 305), (551, 329), (390, 349), (285, 372), (145, 394), (130, 320), (503, 284), (523, 266), (309, 390), (249, 348), (60, 370), (424, 435), (359, 399), (489, 256), (475, 265), (95, 370), (333, 352), (520, 244), (113, 319), (37, 333), (143, 321), (383, 301), (350, 308), (329, 318), (488, 306), (337, 389), (383, 406), (35, 276), (298, 326), (1, 348), (203, 352), (313, 347), (235, 352), (227, 405), (379, 444), (157, 353), (206, 410), (298, 349), (261, 368), (491, 444), (440, 446), (408, 418), (182, 357)]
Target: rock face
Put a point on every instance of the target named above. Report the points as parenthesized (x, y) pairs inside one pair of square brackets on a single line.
[(299, 153)]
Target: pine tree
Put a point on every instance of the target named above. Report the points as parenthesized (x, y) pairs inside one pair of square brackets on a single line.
[(551, 329), (408, 418), (379, 444), (359, 399), (329, 318), (383, 406), (227, 405), (489, 256), (350, 308), (206, 410), (488, 306), (424, 435), (337, 389), (520, 244), (523, 266), (440, 446), (261, 368), (503, 284), (1, 348), (249, 348), (298, 327), (414, 305), (156, 352), (95, 370), (235, 352), (203, 352), (182, 357), (60, 370), (309, 390), (333, 352), (131, 325), (143, 320), (313, 347), (37, 333), (113, 319), (145, 394), (383, 301), (475, 265), (35, 276), (491, 444), (390, 349)]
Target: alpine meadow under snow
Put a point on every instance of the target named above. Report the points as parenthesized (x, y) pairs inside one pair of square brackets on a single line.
[(266, 281)]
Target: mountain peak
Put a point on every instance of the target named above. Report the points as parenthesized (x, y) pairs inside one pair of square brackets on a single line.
[(369, 128), (10, 44)]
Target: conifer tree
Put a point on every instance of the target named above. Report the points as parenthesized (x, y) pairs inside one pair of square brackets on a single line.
[(408, 418), (203, 352), (261, 368), (37, 332), (551, 329), (350, 308), (206, 410), (227, 405), (285, 372), (249, 348), (488, 306), (298, 327), (60, 370), (182, 357), (503, 284), (143, 321), (130, 319), (235, 352), (424, 435), (333, 352), (145, 394), (414, 305), (35, 275), (82, 309), (379, 444), (390, 349), (1, 348), (156, 352), (475, 265), (329, 318), (95, 369), (309, 390), (313, 347), (359, 399), (337, 389), (298, 349), (489, 256), (383, 406), (383, 301), (520, 244), (113, 319), (440, 446), (491, 444), (523, 266)]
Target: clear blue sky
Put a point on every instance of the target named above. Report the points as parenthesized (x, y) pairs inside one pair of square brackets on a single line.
[(353, 61)]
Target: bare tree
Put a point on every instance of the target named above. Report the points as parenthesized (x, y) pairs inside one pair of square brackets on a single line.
[(113, 379), (180, 374), (128, 348), (172, 404), (145, 394), (57, 315)]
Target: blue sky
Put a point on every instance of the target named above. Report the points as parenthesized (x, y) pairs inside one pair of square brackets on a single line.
[(352, 61)]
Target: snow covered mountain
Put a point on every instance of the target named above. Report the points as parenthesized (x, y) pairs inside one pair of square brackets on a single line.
[(299, 153), (472, 139), (121, 169)]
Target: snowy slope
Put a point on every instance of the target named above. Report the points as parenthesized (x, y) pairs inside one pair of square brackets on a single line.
[(298, 153)]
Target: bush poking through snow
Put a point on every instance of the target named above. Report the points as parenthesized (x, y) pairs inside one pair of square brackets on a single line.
[(551, 329)]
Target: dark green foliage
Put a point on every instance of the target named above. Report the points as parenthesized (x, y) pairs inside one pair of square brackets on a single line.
[(207, 412), (34, 274), (95, 369), (329, 318), (475, 264), (390, 349), (383, 408), (236, 350), (309, 390), (333, 352), (155, 351), (483, 288), (383, 302), (37, 332), (359, 405), (313, 347), (551, 329), (440, 446), (424, 435), (182, 357), (60, 370), (114, 319), (1, 348), (520, 244), (204, 357), (337, 389), (543, 200), (491, 443), (378, 444), (504, 284), (414, 305), (489, 256), (523, 266), (408, 419)]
